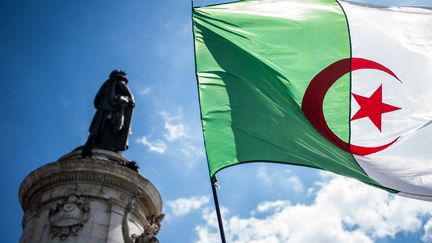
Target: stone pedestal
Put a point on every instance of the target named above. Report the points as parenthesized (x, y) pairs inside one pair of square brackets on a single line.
[(83, 200)]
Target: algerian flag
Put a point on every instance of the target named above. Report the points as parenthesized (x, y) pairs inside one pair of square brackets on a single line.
[(332, 85)]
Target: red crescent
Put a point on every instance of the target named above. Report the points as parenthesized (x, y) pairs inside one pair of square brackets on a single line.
[(313, 99)]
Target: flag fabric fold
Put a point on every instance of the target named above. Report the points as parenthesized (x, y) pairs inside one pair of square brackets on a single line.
[(318, 83)]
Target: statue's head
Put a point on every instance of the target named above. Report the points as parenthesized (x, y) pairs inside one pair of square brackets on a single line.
[(119, 75)]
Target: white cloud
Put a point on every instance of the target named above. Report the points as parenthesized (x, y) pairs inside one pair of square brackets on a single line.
[(204, 234), (176, 140), (279, 177), (344, 210), (272, 206), (156, 146), (310, 191), (145, 91), (263, 176), (174, 127), (295, 183), (174, 131), (183, 206), (190, 150), (427, 236)]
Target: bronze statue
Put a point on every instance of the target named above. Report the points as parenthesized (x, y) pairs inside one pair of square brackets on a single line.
[(110, 126)]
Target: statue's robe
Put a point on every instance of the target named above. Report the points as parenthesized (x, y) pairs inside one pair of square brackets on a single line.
[(110, 126)]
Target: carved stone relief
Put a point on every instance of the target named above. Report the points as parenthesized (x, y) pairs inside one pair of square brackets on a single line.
[(68, 216), (151, 227)]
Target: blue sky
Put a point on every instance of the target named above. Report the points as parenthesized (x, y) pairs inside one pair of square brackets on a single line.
[(54, 57)]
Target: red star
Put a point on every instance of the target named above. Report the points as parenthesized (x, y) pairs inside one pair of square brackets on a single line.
[(372, 107)]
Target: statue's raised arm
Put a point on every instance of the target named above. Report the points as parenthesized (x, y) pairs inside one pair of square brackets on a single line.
[(110, 126)]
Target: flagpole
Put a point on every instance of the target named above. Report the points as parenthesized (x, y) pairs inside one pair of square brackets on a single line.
[(213, 179), (218, 213)]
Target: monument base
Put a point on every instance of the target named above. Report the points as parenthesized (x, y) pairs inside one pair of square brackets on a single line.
[(79, 199)]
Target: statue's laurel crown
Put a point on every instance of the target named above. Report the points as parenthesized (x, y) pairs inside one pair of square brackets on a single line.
[(118, 74)]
